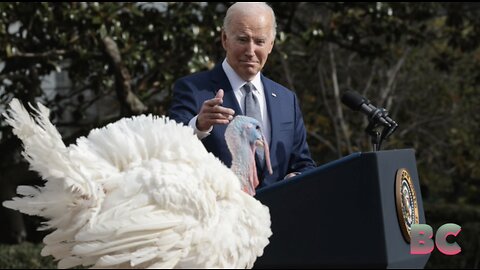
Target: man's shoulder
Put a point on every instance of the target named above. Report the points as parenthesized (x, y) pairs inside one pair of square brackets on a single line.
[(273, 85), (198, 76), (204, 75)]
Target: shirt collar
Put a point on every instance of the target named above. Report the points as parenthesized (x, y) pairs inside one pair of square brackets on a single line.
[(238, 82)]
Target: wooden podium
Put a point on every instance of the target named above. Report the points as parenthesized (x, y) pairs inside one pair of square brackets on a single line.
[(350, 213)]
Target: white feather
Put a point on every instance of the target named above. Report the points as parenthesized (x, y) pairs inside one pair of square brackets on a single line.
[(142, 192)]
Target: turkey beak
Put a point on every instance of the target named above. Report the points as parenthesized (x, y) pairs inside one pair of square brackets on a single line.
[(264, 145)]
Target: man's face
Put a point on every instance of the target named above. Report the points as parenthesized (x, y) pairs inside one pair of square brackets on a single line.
[(248, 43)]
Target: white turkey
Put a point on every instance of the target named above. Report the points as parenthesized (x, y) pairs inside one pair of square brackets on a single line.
[(143, 193)]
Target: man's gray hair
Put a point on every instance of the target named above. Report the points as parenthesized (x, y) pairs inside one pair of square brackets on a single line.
[(237, 6)]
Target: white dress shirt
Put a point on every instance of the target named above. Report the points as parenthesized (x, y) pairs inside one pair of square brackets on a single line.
[(236, 82)]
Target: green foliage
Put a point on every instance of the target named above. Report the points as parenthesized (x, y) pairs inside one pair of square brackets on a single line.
[(157, 44), (24, 256)]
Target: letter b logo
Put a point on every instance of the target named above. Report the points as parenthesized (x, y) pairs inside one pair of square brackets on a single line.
[(421, 239)]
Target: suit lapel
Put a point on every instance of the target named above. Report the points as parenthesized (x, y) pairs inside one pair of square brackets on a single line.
[(273, 105), (220, 81)]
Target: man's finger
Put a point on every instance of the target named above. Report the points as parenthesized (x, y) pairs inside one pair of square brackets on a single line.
[(223, 110), (213, 102), (219, 94), (220, 116)]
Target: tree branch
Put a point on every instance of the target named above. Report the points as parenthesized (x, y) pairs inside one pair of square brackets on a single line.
[(323, 88), (391, 76), (323, 140), (338, 106), (286, 68), (129, 102), (46, 54)]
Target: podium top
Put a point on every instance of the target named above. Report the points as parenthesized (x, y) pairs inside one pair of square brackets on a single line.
[(337, 163)]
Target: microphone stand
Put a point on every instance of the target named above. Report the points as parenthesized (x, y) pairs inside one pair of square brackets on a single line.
[(374, 134), (380, 118)]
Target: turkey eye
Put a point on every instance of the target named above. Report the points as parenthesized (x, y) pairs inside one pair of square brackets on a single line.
[(257, 127)]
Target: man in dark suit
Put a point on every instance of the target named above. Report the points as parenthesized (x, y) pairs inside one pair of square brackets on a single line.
[(208, 101)]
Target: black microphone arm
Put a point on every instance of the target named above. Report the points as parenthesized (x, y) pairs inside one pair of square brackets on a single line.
[(377, 117)]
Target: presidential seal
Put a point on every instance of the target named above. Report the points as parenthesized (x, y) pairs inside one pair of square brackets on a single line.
[(406, 201)]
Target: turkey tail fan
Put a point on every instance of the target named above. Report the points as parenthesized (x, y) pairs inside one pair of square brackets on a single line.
[(44, 149)]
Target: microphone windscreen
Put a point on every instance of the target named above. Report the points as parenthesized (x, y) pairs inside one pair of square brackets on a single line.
[(353, 100)]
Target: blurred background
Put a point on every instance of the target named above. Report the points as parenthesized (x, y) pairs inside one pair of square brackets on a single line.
[(94, 63)]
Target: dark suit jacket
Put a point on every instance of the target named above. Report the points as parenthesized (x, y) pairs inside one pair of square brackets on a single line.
[(288, 147)]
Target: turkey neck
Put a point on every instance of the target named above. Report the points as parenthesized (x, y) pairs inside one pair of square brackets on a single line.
[(242, 160)]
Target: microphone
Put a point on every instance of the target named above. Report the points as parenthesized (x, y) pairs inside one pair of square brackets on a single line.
[(378, 116)]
